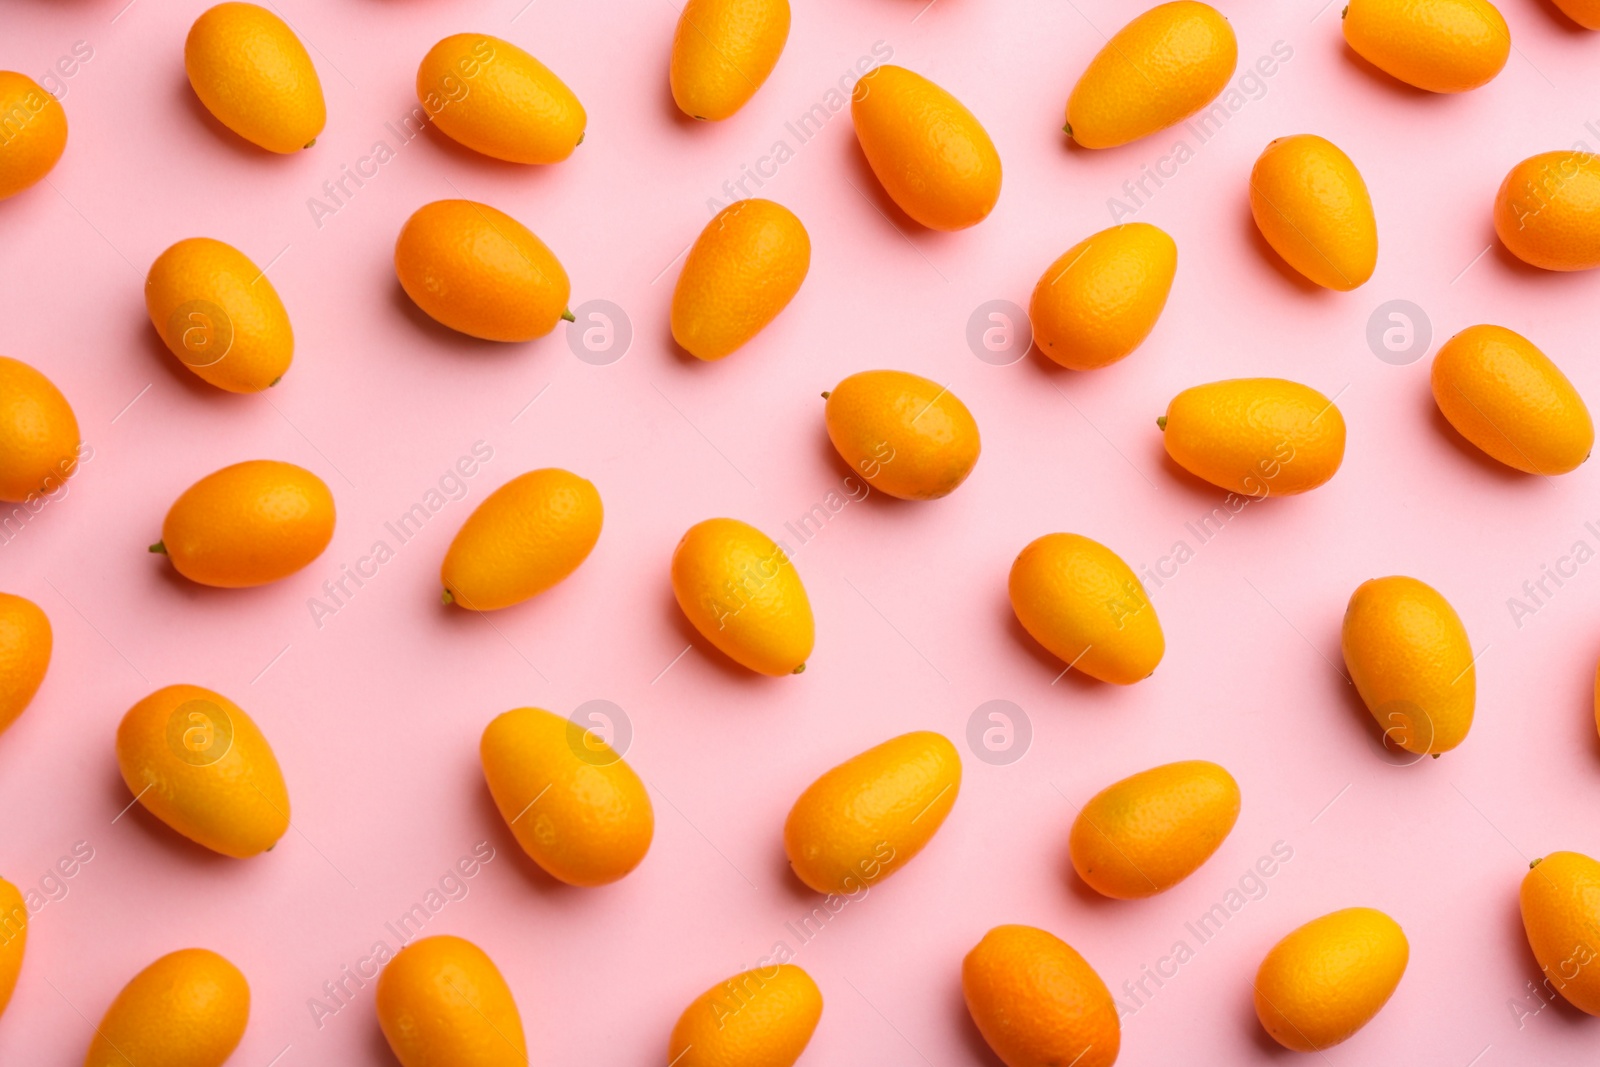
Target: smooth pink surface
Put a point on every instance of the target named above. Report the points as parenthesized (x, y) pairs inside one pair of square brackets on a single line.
[(375, 714)]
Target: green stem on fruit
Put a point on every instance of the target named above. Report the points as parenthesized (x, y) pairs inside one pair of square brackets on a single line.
[(567, 314), (1535, 863), (826, 393), (159, 547), (1161, 421), (1067, 129), (275, 381), (447, 598), (311, 142), (581, 136), (799, 670)]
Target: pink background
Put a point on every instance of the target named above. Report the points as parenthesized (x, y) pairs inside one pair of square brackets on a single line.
[(375, 715)]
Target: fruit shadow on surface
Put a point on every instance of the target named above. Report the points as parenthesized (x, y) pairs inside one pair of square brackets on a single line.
[(514, 627), (1385, 81), (225, 138), (1343, 694), (194, 592), (176, 848), (1470, 453), (25, 200), (1037, 363), (835, 464), (381, 1055), (136, 543), (1506, 260), (171, 368), (1588, 719), (709, 653), (750, 349), (1082, 891), (866, 184), (1072, 148), (1269, 255), (781, 874), (669, 105), (1561, 19), (669, 343), (1381, 748), (450, 344), (1557, 1007), (530, 176), (1073, 681), (1200, 492), (1257, 1034), (978, 1050), (488, 816)]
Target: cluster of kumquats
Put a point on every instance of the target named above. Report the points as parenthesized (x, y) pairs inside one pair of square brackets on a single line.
[(200, 764)]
